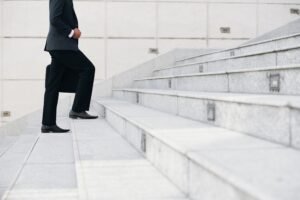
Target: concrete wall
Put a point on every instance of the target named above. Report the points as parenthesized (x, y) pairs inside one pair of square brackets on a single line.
[(1, 61), (117, 35)]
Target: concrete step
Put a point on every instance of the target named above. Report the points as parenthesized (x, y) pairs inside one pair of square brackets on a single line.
[(24, 154), (268, 80), (287, 40), (109, 168), (205, 161), (168, 59), (90, 163), (6, 142), (282, 31), (258, 59), (12, 161), (270, 117)]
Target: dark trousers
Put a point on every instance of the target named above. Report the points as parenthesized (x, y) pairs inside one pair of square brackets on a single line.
[(61, 61)]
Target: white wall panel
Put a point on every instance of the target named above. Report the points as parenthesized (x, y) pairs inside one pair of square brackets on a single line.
[(222, 44), (166, 45), (232, 1), (239, 17), (31, 18), (22, 97), (91, 18), (270, 18), (26, 18), (28, 60), (133, 19), (24, 58), (125, 54), (182, 20), (280, 1), (95, 51), (128, 22), (213, 1)]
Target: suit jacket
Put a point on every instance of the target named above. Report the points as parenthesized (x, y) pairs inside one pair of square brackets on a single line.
[(69, 81), (63, 20)]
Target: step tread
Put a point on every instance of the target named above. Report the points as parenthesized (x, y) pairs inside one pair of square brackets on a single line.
[(245, 45), (258, 170), (113, 169), (38, 164), (6, 142), (261, 99), (285, 67), (237, 158), (233, 57), (290, 28)]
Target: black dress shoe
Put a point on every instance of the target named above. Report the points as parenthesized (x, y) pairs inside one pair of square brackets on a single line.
[(81, 115), (53, 129)]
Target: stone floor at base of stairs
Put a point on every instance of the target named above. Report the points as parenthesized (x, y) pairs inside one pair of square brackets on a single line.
[(91, 162)]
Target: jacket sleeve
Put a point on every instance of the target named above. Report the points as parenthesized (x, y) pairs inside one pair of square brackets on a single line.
[(56, 11), (75, 17)]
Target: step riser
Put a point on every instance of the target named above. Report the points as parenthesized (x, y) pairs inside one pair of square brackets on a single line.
[(207, 186), (257, 61), (264, 47), (203, 83), (267, 122), (248, 82), (159, 154), (295, 128), (187, 175)]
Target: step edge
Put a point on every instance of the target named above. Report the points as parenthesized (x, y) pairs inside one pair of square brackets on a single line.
[(212, 167), (283, 104), (232, 57), (256, 69), (243, 46)]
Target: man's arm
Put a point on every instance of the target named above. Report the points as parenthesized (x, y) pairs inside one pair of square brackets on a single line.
[(56, 11), (76, 20)]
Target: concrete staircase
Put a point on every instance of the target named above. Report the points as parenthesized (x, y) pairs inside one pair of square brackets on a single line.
[(91, 163), (222, 125)]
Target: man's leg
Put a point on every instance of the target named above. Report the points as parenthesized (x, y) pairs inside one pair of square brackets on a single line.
[(78, 61), (85, 85), (52, 93)]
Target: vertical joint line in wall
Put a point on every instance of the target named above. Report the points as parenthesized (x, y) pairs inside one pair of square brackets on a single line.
[(156, 31), (105, 39), (207, 23), (257, 17), (157, 23), (1, 58)]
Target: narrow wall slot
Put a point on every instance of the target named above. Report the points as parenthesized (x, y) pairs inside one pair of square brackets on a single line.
[(295, 11), (137, 98), (143, 142), (211, 111), (170, 83), (274, 82), (6, 114), (201, 68), (225, 30)]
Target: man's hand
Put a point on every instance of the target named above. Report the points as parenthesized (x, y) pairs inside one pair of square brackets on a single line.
[(77, 33)]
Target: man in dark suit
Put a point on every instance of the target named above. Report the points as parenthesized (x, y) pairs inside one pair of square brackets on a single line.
[(62, 44)]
